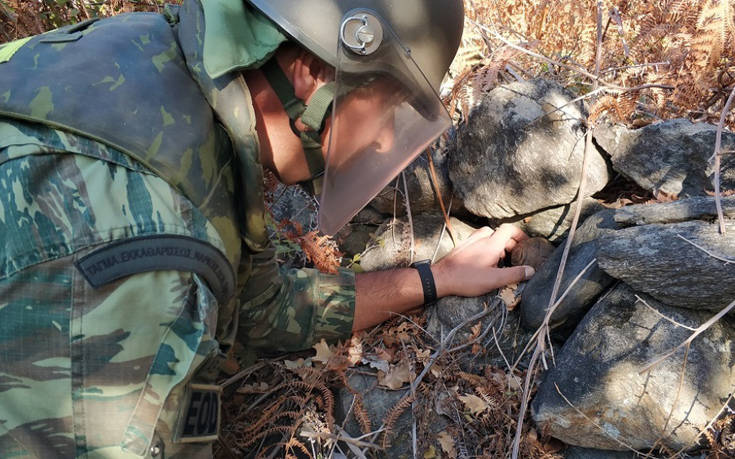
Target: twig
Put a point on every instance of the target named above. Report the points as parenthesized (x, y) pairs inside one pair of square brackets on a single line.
[(725, 406), (246, 372), (662, 315), (441, 233), (620, 442), (711, 254), (406, 200), (608, 86), (343, 436), (676, 399), (507, 364), (435, 182), (551, 310), (701, 329), (717, 157), (635, 66)]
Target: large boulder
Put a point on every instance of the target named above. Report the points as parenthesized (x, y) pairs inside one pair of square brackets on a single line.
[(611, 400), (669, 157), (688, 264), (392, 244), (521, 151), (421, 192)]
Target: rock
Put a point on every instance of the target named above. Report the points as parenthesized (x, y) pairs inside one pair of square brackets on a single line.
[(553, 224), (521, 151), (451, 311), (663, 261), (669, 157), (392, 246), (580, 298), (575, 452), (599, 371), (378, 402), (674, 212), (353, 238), (420, 189)]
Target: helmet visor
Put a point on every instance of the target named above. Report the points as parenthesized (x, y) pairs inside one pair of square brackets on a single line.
[(385, 113)]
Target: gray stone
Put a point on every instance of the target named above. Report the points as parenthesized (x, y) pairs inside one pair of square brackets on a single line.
[(392, 245), (670, 157), (378, 402), (700, 208), (554, 223), (663, 261), (575, 452), (420, 189), (537, 293), (451, 311), (521, 151), (610, 399)]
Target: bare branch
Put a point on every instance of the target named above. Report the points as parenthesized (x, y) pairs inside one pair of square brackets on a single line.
[(663, 316), (711, 254), (620, 442), (701, 329), (717, 158)]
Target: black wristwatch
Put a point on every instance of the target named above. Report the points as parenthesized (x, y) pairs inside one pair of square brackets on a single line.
[(427, 281)]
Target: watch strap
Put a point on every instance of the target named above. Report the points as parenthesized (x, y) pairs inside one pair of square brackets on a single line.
[(427, 281)]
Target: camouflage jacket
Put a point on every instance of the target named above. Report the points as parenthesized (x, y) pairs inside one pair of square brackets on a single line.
[(125, 366)]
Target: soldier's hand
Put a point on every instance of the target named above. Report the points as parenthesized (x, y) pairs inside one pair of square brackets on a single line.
[(471, 269)]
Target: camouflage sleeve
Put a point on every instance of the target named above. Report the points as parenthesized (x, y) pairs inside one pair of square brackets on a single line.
[(290, 310)]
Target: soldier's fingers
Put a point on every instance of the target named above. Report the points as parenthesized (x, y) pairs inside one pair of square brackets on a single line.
[(506, 232), (478, 234), (510, 244), (505, 276)]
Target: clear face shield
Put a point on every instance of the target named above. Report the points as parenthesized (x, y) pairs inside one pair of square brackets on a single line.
[(385, 114)]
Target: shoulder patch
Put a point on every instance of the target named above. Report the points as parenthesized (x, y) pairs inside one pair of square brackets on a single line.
[(201, 420), (160, 252)]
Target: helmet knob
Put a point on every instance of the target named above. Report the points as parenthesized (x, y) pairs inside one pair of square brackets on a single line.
[(361, 33)]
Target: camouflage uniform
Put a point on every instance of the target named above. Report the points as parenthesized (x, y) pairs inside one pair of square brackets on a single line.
[(101, 170)]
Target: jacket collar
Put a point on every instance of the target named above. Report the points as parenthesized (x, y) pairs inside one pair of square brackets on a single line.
[(236, 37)]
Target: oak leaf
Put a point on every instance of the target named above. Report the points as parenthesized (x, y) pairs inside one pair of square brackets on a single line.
[(396, 376), (447, 444), (323, 352), (474, 403)]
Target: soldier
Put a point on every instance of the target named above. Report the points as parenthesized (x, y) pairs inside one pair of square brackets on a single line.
[(131, 205)]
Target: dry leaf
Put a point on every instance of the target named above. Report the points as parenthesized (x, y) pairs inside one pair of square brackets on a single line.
[(377, 363), (355, 350), (396, 376), (508, 295), (323, 352), (430, 453), (298, 363), (475, 330), (447, 444), (474, 403)]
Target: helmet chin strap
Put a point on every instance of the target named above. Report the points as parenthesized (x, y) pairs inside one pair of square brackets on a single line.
[(312, 116)]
